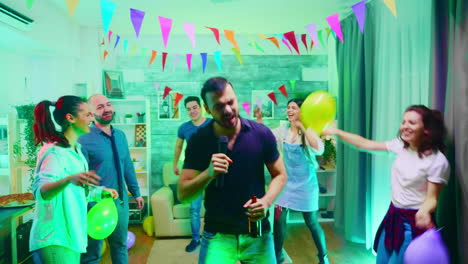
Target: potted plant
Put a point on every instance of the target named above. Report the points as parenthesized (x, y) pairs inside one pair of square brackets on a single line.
[(141, 117), (327, 160), (128, 118)]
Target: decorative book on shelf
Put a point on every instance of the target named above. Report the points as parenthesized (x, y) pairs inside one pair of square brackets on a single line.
[(140, 135)]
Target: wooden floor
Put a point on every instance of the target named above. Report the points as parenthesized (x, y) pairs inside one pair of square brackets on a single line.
[(298, 244)]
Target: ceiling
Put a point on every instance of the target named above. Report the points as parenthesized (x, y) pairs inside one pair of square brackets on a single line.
[(241, 16)]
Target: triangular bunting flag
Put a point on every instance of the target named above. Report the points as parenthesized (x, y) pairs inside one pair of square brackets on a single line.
[(291, 37), (103, 42), (190, 31), (29, 3), (311, 45), (334, 22), (72, 4), (230, 36), (217, 56), (287, 44), (204, 56), (292, 83), (156, 86), (134, 48), (312, 30), (327, 29), (105, 54), (175, 61), (238, 55), (188, 58), (116, 41), (178, 96), (215, 33), (304, 41), (164, 56), (143, 53), (282, 89), (125, 46), (109, 35), (246, 106), (319, 33), (391, 5), (153, 56), (107, 12), (167, 90), (360, 13), (275, 41), (262, 36), (166, 25), (136, 16), (272, 97)]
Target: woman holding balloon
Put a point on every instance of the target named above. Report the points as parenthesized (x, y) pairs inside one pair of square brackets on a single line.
[(418, 174), (299, 146), (62, 183)]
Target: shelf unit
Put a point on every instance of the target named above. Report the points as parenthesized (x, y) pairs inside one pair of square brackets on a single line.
[(326, 179), (142, 154)]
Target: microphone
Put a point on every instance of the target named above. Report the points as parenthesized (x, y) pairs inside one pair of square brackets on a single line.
[(222, 148)]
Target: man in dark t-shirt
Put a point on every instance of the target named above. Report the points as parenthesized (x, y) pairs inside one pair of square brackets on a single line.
[(240, 170)]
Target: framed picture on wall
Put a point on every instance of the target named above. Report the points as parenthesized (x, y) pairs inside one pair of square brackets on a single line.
[(260, 98), (167, 110), (112, 84)]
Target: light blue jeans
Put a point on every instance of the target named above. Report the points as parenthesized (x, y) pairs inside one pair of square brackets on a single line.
[(228, 249), (386, 257), (117, 240), (195, 208), (55, 255)]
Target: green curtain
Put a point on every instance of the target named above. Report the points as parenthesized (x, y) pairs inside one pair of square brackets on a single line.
[(450, 95), (380, 73)]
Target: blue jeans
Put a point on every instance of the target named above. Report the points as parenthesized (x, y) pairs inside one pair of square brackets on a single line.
[(55, 255), (386, 257), (195, 208), (228, 249), (117, 241)]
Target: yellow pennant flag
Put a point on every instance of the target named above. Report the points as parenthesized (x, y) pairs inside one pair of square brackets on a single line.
[(238, 55), (134, 48), (391, 5), (72, 4)]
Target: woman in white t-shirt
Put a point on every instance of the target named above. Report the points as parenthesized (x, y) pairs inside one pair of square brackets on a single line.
[(298, 146), (418, 174), (62, 183)]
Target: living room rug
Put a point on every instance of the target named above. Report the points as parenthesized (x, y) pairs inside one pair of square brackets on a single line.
[(172, 251)]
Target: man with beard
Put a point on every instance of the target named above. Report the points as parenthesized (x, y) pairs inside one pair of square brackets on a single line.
[(186, 130), (231, 179), (106, 150)]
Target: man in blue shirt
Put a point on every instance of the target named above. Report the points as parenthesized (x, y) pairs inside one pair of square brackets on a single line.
[(106, 150), (229, 207), (186, 130)]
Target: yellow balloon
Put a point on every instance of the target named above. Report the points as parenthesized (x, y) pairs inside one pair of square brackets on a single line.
[(104, 246), (148, 225), (318, 109)]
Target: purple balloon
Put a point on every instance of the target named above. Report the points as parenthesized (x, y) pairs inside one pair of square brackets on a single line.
[(427, 248), (130, 240)]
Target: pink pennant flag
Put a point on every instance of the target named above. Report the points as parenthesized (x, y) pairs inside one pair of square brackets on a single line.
[(334, 22), (153, 56), (156, 86), (109, 35), (215, 33), (167, 90), (166, 25), (287, 44), (360, 13), (246, 106), (175, 61), (283, 90), (188, 58), (190, 30), (164, 56), (137, 16), (273, 97), (291, 37), (304, 41), (178, 96), (312, 30)]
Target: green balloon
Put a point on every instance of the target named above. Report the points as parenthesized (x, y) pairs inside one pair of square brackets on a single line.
[(102, 219)]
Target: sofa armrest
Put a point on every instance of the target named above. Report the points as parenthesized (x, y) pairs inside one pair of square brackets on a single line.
[(162, 202)]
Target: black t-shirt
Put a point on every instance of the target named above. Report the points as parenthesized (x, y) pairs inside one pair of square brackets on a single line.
[(255, 146)]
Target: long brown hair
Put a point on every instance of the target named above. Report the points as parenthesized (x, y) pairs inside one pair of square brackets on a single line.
[(435, 131), (299, 102), (44, 128)]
